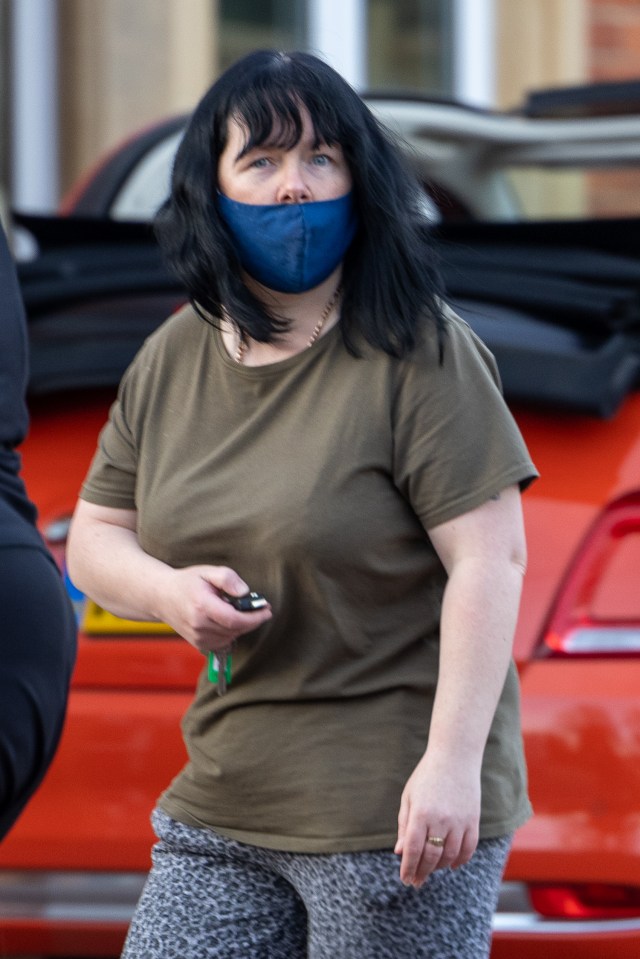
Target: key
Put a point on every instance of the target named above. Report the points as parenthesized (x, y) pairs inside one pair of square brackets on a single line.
[(224, 668), (219, 670)]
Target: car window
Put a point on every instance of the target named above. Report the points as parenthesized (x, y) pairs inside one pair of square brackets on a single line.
[(148, 185)]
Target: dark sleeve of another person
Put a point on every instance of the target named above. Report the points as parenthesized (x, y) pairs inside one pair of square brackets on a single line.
[(37, 624)]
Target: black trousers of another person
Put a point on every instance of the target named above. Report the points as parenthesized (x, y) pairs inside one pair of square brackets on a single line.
[(37, 626), (37, 655)]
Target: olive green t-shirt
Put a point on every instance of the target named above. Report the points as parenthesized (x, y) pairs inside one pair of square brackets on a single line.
[(315, 479)]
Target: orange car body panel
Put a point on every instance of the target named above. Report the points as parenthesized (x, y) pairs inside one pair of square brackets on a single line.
[(581, 716)]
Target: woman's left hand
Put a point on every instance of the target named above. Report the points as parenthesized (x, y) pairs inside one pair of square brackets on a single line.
[(441, 800)]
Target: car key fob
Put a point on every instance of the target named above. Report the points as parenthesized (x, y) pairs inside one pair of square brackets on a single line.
[(247, 603)]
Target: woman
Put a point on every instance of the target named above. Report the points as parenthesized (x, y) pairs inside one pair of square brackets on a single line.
[(38, 634), (316, 427)]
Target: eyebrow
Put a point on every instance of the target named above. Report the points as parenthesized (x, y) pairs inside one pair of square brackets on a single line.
[(272, 141)]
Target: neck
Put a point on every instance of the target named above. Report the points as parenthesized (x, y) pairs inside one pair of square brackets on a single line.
[(304, 313)]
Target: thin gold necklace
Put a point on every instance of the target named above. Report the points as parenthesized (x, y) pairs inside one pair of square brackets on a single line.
[(317, 330)]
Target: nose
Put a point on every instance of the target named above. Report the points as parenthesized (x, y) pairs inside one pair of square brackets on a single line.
[(293, 186)]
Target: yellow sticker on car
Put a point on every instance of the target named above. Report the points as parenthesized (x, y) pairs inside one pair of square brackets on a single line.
[(96, 621)]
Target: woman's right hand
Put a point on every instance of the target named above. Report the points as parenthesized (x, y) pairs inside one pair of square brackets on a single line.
[(191, 601), (105, 560)]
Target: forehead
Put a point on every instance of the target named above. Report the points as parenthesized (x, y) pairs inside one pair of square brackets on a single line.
[(284, 129)]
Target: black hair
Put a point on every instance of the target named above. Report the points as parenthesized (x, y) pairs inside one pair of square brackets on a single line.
[(390, 278)]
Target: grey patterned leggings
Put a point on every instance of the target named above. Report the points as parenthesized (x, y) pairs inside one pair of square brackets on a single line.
[(209, 897)]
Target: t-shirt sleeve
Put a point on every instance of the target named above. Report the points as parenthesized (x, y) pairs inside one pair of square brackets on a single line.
[(111, 480), (456, 442)]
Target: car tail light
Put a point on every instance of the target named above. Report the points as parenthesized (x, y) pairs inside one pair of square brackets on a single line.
[(597, 611), (593, 900)]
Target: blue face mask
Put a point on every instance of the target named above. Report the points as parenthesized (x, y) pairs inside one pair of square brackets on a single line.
[(290, 247)]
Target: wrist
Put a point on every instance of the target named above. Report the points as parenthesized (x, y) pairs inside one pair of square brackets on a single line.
[(450, 756), (159, 590)]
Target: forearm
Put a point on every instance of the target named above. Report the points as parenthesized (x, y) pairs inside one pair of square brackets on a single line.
[(479, 614), (108, 564), (443, 795), (484, 554)]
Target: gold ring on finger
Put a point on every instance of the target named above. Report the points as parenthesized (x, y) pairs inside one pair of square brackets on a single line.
[(435, 840)]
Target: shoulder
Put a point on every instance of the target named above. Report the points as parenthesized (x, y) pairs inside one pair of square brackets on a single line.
[(182, 326), (461, 332), (171, 344), (450, 358), (166, 360)]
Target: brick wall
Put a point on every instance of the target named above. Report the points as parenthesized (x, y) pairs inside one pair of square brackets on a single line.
[(614, 39), (614, 54)]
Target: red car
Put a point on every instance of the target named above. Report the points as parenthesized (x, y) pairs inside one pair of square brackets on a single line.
[(558, 301)]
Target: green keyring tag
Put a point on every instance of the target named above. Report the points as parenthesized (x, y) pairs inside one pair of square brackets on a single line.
[(213, 670)]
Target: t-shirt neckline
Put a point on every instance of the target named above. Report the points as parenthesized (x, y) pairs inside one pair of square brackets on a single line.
[(319, 346)]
